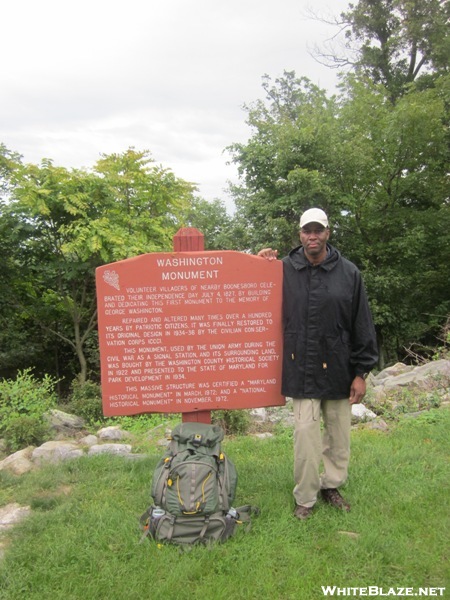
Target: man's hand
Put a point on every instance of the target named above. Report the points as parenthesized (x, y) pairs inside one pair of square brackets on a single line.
[(268, 253), (357, 390)]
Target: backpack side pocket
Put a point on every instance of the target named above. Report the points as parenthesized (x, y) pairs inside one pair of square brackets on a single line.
[(193, 530)]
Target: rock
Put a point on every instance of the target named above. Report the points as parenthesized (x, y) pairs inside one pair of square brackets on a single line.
[(258, 414), (113, 433), (55, 452), (281, 414), (10, 514), (360, 412), (377, 424), (263, 436), (118, 449), (393, 371), (350, 534), (413, 415), (418, 376), (431, 377), (64, 424), (88, 440), (19, 462)]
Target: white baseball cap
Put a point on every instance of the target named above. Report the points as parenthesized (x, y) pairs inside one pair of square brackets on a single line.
[(314, 215)]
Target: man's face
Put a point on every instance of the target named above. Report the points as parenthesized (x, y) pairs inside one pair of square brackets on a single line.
[(313, 237)]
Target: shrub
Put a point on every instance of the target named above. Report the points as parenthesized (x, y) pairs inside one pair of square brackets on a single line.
[(23, 403), (86, 401), (232, 421), (26, 431)]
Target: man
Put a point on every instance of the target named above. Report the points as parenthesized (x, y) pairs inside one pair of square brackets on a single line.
[(329, 349)]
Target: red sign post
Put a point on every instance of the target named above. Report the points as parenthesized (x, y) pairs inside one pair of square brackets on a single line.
[(190, 331)]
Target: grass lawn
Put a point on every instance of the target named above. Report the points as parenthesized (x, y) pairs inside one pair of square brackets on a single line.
[(82, 540)]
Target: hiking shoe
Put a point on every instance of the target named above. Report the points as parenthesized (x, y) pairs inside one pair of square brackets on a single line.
[(333, 497), (302, 512)]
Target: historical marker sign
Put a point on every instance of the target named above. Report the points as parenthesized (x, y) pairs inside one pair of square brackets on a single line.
[(190, 331)]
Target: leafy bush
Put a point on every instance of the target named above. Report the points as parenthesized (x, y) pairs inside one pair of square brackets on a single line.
[(86, 401), (23, 402), (26, 431), (232, 421)]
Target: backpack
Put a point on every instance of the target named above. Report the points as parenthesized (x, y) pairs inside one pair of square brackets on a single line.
[(193, 489)]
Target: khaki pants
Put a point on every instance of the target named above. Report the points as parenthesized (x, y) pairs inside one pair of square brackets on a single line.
[(311, 448)]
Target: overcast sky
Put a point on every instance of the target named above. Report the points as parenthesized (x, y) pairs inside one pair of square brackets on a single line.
[(86, 77)]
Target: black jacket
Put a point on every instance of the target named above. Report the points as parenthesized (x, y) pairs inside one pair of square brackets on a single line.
[(329, 336)]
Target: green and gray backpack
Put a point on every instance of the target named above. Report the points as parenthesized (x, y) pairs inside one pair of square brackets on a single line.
[(193, 489)]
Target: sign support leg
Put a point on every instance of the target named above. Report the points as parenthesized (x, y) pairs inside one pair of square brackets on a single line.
[(189, 239)]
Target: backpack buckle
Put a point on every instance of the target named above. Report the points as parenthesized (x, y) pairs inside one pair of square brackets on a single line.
[(197, 440)]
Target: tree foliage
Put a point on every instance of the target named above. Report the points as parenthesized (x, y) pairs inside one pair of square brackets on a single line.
[(378, 168), (375, 157), (213, 220), (281, 166), (394, 42), (63, 223)]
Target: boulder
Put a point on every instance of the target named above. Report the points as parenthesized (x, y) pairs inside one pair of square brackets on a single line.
[(88, 440), (377, 424), (362, 413), (55, 452), (10, 514), (113, 433), (433, 376), (392, 371), (64, 424), (413, 376), (259, 414), (19, 462), (263, 436), (118, 449)]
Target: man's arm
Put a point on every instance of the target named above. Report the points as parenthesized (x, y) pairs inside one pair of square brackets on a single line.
[(364, 355), (364, 343)]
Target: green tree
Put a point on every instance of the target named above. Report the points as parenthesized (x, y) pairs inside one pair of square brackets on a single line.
[(282, 165), (20, 338), (380, 171), (395, 225), (218, 227), (71, 221), (395, 42), (375, 157), (142, 209)]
